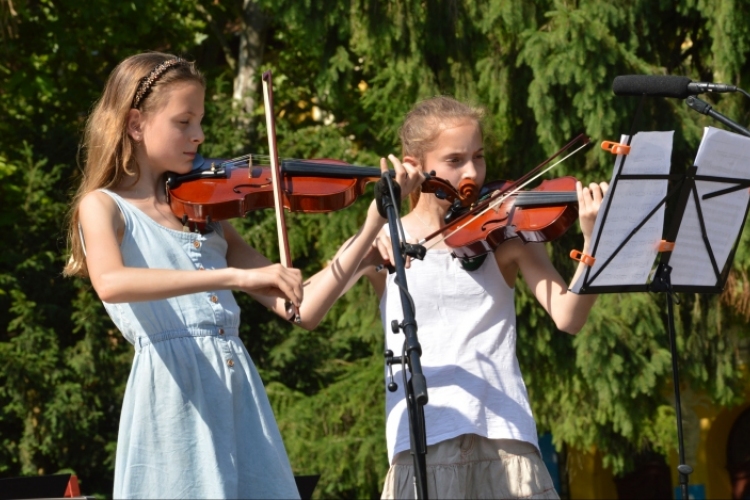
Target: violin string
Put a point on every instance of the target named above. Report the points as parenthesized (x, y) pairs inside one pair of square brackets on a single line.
[(264, 160), (502, 198)]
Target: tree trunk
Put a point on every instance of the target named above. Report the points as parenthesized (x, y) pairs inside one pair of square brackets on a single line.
[(252, 42)]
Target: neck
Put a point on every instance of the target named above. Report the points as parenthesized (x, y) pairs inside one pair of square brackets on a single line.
[(145, 187), (431, 211)]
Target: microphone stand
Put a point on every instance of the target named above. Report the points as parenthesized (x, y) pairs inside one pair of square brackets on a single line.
[(416, 387), (705, 108)]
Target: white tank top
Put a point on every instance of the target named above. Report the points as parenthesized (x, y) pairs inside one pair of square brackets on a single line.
[(466, 326)]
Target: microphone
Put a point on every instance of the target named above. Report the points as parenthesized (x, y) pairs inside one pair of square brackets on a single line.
[(665, 86)]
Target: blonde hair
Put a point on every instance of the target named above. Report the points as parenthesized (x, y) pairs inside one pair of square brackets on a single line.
[(424, 123), (107, 149)]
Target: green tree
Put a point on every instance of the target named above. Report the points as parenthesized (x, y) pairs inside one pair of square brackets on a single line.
[(345, 73)]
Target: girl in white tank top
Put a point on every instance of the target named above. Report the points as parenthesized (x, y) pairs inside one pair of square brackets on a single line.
[(481, 434)]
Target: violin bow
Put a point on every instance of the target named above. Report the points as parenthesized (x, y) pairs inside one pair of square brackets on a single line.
[(499, 196), (273, 153)]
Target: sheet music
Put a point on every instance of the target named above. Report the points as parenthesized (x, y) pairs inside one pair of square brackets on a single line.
[(650, 153), (725, 154)]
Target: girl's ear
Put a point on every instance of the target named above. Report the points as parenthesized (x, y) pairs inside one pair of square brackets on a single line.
[(135, 120), (412, 160)]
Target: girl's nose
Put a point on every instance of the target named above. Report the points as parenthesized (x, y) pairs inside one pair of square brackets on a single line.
[(469, 170), (199, 137)]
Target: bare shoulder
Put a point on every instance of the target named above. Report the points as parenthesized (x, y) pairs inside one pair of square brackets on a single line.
[(95, 202), (97, 211)]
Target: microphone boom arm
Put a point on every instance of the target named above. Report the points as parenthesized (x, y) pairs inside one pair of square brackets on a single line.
[(705, 108)]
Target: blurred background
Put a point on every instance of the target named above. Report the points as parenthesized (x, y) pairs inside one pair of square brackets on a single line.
[(345, 74)]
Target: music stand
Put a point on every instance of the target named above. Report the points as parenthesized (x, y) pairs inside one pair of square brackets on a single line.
[(711, 202)]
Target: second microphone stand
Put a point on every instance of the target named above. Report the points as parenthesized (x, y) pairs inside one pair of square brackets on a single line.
[(416, 386)]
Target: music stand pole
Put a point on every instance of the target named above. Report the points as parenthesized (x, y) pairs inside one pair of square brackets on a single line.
[(663, 283), (416, 387)]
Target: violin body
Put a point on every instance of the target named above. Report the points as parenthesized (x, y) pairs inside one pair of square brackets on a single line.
[(232, 188), (239, 189), (538, 215)]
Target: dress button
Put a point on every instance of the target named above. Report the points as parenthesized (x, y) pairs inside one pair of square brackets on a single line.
[(197, 244), (221, 331), (214, 299), (230, 363)]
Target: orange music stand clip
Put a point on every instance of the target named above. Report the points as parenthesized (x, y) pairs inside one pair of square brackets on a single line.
[(616, 148), (582, 257), (665, 246)]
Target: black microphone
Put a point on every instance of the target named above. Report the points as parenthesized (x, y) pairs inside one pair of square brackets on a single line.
[(665, 86)]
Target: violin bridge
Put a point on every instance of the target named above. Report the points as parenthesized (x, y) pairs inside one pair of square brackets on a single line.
[(249, 166)]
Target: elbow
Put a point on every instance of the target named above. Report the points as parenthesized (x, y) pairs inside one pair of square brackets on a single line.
[(308, 325), (106, 294), (107, 290), (571, 325)]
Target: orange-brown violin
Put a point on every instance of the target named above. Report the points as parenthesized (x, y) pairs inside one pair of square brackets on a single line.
[(218, 190), (537, 215)]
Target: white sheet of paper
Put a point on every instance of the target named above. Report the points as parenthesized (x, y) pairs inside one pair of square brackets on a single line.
[(650, 153), (724, 154)]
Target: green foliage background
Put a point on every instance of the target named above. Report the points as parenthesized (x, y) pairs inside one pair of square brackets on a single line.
[(542, 69)]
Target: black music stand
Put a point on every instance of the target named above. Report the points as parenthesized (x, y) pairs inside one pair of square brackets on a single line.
[(415, 387), (687, 227)]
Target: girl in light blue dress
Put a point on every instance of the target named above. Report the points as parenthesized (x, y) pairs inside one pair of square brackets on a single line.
[(196, 421)]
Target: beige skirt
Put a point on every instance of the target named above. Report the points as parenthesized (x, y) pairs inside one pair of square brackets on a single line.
[(471, 466)]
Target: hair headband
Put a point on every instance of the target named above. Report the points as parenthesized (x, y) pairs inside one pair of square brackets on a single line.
[(147, 82)]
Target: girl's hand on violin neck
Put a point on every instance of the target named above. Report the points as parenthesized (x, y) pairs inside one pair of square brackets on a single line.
[(408, 176), (589, 200), (274, 280)]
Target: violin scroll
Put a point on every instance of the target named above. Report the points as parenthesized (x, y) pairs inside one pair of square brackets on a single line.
[(468, 191), (466, 194)]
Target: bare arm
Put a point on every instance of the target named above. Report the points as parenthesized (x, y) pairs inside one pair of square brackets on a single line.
[(325, 287), (568, 310), (102, 222), (347, 266)]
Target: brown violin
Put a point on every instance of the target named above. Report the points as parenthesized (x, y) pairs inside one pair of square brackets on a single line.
[(223, 189), (537, 215)]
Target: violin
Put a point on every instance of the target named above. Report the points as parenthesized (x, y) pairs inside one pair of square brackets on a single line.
[(505, 211), (537, 215), (224, 189)]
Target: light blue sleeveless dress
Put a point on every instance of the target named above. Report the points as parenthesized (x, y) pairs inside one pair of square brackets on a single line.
[(196, 421)]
